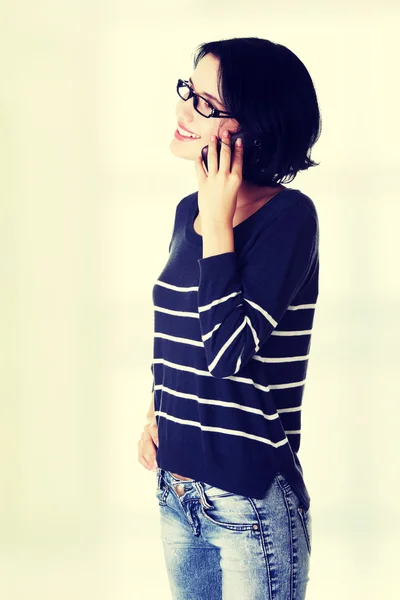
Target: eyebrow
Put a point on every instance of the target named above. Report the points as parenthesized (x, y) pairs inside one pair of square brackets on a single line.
[(206, 94)]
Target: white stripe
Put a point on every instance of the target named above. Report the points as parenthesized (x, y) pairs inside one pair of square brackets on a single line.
[(226, 345), (301, 306), (246, 319), (293, 432), (174, 338), (224, 403), (300, 332), (285, 386), (177, 288), (222, 430), (281, 359), (181, 313), (218, 301), (263, 359), (238, 363), (206, 336), (247, 380), (209, 334), (263, 312), (289, 409), (253, 331), (179, 367), (178, 313), (258, 386), (195, 288)]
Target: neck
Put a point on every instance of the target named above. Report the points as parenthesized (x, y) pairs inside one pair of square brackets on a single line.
[(251, 194)]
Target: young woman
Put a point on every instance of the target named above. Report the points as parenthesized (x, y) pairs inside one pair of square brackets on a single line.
[(234, 308)]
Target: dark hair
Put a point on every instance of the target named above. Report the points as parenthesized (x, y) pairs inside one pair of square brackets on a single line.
[(271, 94)]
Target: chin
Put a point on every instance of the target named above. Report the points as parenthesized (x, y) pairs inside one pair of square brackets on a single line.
[(181, 149)]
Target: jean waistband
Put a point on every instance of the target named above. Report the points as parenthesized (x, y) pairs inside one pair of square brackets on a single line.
[(169, 479)]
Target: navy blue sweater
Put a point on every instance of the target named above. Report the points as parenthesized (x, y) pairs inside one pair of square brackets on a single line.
[(232, 335)]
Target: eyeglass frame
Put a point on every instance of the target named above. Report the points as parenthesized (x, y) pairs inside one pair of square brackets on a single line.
[(215, 114)]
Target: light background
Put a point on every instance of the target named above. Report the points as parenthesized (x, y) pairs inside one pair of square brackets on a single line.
[(88, 196)]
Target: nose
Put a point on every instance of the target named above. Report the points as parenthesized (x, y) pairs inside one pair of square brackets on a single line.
[(185, 113)]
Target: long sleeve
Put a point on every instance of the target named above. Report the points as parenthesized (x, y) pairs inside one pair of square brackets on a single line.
[(240, 305)]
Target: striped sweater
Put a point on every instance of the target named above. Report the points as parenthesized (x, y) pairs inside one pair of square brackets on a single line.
[(232, 335)]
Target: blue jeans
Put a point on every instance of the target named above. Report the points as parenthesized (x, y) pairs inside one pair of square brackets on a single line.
[(224, 546)]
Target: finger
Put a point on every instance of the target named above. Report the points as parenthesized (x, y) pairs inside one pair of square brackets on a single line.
[(147, 454), (151, 461), (148, 450), (237, 162), (148, 466), (212, 158), (153, 430), (148, 463), (226, 153)]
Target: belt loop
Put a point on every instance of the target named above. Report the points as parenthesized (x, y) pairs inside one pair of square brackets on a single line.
[(203, 498)]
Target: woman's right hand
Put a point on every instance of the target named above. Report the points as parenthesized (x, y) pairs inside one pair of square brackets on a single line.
[(148, 444)]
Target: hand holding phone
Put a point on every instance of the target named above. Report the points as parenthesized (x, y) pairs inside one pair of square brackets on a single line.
[(233, 138)]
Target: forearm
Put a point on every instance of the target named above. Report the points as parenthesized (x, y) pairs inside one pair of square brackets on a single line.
[(217, 238)]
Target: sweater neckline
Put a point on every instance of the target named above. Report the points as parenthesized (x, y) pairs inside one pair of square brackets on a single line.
[(193, 237)]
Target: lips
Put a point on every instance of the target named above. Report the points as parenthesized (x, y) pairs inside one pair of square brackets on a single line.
[(185, 138), (186, 129)]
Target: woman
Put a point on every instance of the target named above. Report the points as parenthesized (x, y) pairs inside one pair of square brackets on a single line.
[(234, 308)]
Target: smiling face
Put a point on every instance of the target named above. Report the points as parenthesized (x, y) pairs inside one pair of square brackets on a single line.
[(205, 82), (204, 79)]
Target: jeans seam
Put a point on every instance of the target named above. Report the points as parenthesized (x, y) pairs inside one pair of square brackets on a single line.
[(264, 548), (286, 492), (303, 522)]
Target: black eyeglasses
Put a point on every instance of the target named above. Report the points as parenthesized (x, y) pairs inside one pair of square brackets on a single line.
[(200, 104)]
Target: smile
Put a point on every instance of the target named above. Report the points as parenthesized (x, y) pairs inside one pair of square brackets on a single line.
[(185, 134)]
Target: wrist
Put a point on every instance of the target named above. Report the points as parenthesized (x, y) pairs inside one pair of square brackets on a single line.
[(217, 238), (216, 224)]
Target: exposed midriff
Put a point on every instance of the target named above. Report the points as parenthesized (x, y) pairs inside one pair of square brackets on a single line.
[(180, 477)]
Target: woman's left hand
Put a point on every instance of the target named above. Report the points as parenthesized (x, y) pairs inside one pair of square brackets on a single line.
[(218, 189)]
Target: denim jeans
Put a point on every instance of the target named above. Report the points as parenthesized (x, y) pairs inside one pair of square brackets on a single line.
[(224, 546)]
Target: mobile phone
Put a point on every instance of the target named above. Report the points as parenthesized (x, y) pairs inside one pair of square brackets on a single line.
[(233, 138)]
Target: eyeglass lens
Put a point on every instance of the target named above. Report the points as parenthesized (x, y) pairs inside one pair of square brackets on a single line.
[(201, 105)]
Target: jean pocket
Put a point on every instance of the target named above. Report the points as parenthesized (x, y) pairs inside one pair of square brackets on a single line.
[(285, 483), (305, 517), (212, 491), (229, 511)]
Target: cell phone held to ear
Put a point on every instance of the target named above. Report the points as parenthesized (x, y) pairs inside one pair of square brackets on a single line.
[(233, 138)]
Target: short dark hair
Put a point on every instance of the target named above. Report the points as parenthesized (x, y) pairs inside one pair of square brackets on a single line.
[(271, 94)]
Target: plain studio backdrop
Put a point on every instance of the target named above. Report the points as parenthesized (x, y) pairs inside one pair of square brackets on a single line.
[(89, 190)]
